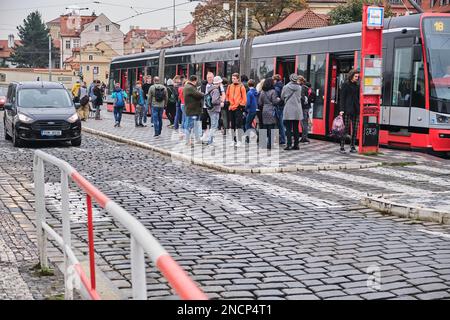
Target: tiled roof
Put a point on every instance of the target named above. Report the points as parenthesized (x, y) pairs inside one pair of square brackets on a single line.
[(55, 21), (305, 19), (151, 35), (5, 52)]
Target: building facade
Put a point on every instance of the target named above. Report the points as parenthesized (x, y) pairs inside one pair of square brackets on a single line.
[(436, 6), (139, 40)]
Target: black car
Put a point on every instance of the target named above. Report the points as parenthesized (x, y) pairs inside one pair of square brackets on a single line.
[(40, 111)]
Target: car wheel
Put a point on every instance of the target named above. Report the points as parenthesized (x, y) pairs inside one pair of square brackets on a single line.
[(17, 142), (76, 142), (7, 136)]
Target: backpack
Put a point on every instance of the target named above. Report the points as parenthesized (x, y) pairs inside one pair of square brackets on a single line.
[(160, 95), (172, 97), (120, 101), (338, 128)]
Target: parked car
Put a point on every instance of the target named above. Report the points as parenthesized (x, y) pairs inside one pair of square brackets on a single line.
[(3, 91), (40, 111)]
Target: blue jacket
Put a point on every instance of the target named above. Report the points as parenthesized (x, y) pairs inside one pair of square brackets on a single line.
[(114, 95), (252, 101), (138, 95), (278, 89)]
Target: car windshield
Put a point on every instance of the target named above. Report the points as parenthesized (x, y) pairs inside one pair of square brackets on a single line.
[(44, 98), (437, 38)]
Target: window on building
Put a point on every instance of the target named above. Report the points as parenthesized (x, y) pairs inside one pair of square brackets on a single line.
[(76, 43), (95, 70), (97, 28), (67, 44), (107, 28), (87, 68), (91, 57)]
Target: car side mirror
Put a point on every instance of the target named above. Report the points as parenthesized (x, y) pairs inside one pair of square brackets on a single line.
[(8, 106), (417, 52)]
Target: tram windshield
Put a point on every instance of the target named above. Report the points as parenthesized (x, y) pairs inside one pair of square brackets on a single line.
[(437, 40)]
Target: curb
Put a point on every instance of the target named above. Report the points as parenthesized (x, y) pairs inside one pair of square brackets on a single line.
[(224, 169), (405, 211)]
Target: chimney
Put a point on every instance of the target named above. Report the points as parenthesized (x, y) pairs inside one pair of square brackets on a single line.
[(11, 41)]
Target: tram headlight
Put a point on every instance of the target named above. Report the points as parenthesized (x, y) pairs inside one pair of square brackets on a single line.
[(442, 119)]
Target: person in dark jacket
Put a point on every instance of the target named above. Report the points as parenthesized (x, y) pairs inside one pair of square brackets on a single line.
[(171, 108), (278, 84), (98, 102), (194, 108), (268, 99), (349, 108), (146, 88), (250, 108)]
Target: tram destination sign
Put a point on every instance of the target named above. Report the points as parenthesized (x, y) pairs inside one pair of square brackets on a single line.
[(375, 17)]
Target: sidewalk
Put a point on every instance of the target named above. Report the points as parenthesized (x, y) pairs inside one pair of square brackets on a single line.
[(249, 158)]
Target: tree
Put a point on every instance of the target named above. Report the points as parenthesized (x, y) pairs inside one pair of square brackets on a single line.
[(33, 51), (211, 17), (352, 11)]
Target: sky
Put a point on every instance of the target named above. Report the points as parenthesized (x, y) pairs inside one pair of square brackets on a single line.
[(12, 13)]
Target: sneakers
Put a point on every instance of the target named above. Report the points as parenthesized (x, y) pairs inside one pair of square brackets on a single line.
[(353, 150), (305, 140), (288, 148), (342, 150), (116, 125), (295, 148)]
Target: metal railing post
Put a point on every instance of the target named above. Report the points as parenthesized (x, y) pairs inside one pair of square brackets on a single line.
[(90, 223), (39, 192), (138, 281), (68, 276)]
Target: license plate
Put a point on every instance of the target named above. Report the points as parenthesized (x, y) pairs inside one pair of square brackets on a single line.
[(51, 133)]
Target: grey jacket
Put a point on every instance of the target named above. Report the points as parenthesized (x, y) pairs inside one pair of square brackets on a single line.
[(268, 100), (292, 97), (152, 99), (216, 99)]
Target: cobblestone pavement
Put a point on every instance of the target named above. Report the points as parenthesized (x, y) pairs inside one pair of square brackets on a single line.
[(248, 156), (274, 236)]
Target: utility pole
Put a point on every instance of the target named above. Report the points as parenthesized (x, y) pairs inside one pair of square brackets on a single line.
[(174, 26), (49, 57), (235, 19), (246, 23)]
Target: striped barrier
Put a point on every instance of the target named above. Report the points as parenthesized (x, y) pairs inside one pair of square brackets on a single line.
[(142, 241)]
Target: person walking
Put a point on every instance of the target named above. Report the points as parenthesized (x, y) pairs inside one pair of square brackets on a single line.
[(178, 114), (171, 102), (349, 108), (139, 102), (268, 99), (158, 98), (237, 96), (193, 106), (292, 96), (224, 113), (98, 101), (119, 96), (83, 96), (311, 96), (75, 90), (182, 107), (250, 108), (278, 83), (205, 88), (214, 103), (146, 88)]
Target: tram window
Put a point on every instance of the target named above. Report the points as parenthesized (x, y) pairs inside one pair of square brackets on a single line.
[(262, 68), (317, 80), (170, 72), (402, 86), (221, 69), (302, 68)]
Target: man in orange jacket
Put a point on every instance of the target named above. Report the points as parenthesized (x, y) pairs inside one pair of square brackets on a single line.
[(237, 97)]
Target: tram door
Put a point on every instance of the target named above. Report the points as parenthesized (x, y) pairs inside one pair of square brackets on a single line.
[(339, 69), (286, 67)]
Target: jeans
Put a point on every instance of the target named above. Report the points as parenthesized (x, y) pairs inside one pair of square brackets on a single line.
[(214, 116), (138, 114), (144, 120), (192, 124), (292, 129), (157, 114), (249, 121), (305, 124), (118, 114), (279, 117), (178, 117), (97, 112)]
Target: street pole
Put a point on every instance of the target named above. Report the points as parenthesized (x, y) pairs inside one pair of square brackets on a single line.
[(235, 19), (174, 26), (49, 57), (246, 23)]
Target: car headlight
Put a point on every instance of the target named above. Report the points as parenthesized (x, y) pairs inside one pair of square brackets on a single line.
[(25, 119), (73, 118)]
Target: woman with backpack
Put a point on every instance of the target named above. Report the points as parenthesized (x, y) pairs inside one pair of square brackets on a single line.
[(294, 98), (119, 97), (268, 100), (158, 98)]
